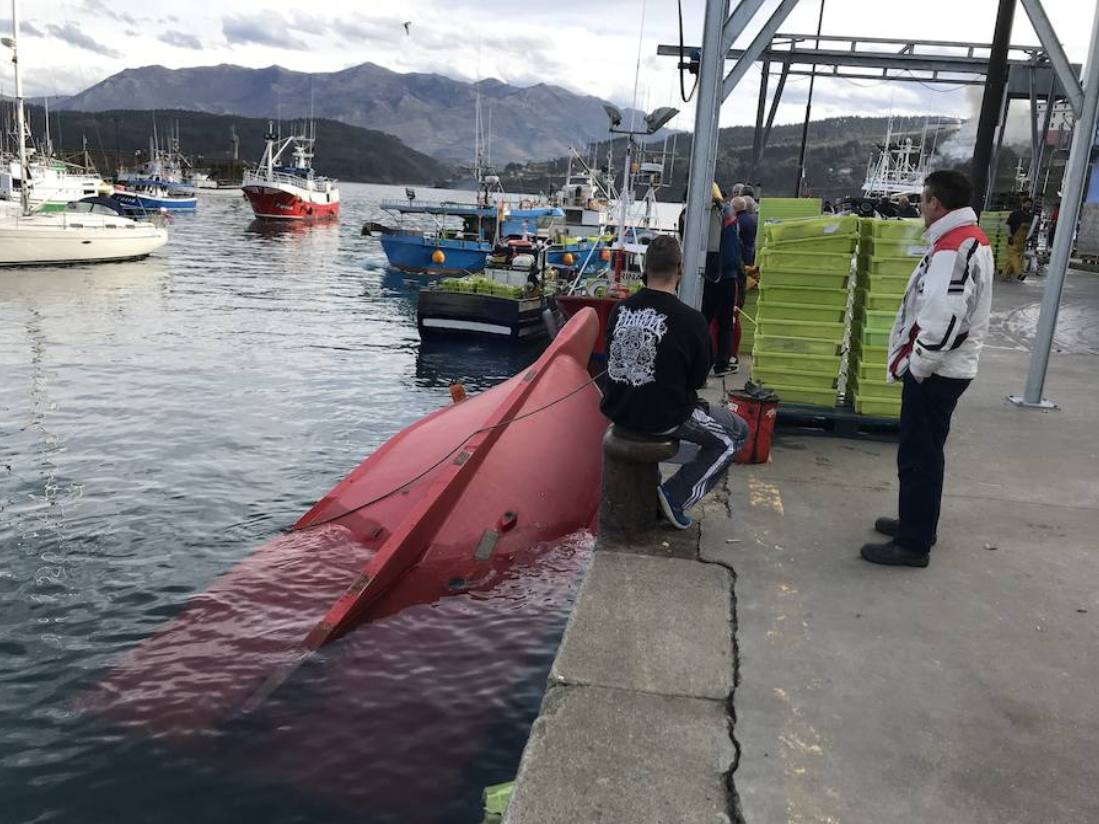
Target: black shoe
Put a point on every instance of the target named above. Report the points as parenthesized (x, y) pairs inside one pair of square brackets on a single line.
[(890, 527), (890, 554), (722, 369)]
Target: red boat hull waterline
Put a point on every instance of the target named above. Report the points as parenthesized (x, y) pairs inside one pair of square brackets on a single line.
[(444, 506), (271, 203)]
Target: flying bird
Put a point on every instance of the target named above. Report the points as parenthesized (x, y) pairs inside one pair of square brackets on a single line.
[(408, 27)]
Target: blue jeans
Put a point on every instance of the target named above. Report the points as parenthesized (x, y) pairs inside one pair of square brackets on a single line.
[(719, 435)]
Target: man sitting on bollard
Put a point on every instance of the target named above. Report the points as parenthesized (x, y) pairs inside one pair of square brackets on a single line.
[(658, 357)]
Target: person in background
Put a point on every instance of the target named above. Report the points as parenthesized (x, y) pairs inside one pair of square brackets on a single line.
[(747, 225), (885, 207), (658, 357), (719, 289), (934, 349), (905, 208), (749, 195), (827, 208), (1018, 230)]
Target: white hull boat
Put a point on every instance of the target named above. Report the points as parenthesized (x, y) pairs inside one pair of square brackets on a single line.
[(56, 238)]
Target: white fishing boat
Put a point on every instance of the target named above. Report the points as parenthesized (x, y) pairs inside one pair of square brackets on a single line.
[(52, 184), (84, 233)]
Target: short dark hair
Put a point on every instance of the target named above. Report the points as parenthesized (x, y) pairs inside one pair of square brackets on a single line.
[(952, 188), (662, 258)]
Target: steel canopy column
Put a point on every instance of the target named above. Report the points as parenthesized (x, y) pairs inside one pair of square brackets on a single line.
[(994, 164), (700, 176), (757, 138), (1035, 146), (1083, 138), (995, 88)]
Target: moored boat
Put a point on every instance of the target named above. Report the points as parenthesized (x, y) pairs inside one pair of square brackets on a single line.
[(451, 501), (86, 232), (144, 196), (290, 190)]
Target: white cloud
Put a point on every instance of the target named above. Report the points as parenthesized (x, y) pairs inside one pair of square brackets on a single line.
[(563, 43)]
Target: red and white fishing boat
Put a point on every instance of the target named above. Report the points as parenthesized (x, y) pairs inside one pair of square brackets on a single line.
[(279, 190)]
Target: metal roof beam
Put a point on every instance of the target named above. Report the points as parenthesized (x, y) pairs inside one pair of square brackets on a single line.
[(1044, 29), (742, 15), (757, 47), (837, 57)]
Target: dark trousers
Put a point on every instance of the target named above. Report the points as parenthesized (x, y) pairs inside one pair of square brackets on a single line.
[(719, 435), (719, 303), (926, 409), (741, 291)]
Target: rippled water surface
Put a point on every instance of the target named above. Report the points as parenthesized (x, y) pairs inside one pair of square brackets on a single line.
[(161, 419)]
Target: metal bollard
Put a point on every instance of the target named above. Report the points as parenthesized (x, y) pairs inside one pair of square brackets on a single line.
[(631, 473)]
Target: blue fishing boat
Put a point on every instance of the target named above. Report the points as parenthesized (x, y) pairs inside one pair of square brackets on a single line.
[(146, 195), (443, 249)]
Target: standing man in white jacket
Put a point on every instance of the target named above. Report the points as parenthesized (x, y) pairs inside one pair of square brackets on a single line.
[(934, 348)]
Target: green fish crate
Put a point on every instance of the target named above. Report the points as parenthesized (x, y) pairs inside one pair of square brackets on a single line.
[(835, 244), (895, 266), (815, 330), (877, 301), (875, 321), (878, 407), (791, 377), (869, 337), (788, 345), (769, 310), (809, 228), (804, 395), (826, 263), (775, 361), (815, 295), (883, 284), (897, 248), (890, 229), (777, 277)]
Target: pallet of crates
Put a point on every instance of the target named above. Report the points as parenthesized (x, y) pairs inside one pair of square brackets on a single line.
[(888, 252), (804, 283)]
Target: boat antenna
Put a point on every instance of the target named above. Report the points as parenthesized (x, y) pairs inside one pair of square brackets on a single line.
[(637, 68), (20, 116), (49, 143)]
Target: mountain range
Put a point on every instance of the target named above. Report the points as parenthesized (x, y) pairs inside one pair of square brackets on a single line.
[(114, 138), (429, 112)]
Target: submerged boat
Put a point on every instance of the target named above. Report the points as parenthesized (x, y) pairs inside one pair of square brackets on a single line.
[(443, 506), (289, 189)]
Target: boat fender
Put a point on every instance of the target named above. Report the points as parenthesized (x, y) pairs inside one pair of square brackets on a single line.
[(550, 322), (507, 521)]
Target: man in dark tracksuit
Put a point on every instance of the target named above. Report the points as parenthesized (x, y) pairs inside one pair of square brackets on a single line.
[(658, 357)]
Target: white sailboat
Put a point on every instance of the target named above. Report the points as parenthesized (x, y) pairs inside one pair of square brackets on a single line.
[(76, 235)]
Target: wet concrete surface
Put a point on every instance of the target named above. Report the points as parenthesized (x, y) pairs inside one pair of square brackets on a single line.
[(962, 693)]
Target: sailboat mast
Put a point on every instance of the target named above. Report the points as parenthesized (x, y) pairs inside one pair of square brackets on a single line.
[(20, 118)]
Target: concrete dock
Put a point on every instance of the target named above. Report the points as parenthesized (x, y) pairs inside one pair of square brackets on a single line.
[(962, 693)]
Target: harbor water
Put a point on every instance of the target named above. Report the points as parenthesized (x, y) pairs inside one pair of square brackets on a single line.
[(161, 419)]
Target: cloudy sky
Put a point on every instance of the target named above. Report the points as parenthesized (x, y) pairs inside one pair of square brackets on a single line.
[(587, 47)]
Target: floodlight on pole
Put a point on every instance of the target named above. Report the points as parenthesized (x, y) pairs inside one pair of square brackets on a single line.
[(614, 114), (658, 118)]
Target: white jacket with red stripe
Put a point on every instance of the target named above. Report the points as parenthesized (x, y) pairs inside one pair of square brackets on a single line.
[(943, 318)]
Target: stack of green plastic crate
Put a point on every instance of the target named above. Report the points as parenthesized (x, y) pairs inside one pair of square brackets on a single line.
[(771, 210), (994, 225), (888, 252), (748, 328), (805, 268)]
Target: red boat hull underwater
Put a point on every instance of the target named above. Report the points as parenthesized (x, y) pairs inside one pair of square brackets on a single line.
[(444, 506)]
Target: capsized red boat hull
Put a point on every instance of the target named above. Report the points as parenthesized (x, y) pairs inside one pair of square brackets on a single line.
[(572, 304), (442, 505)]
